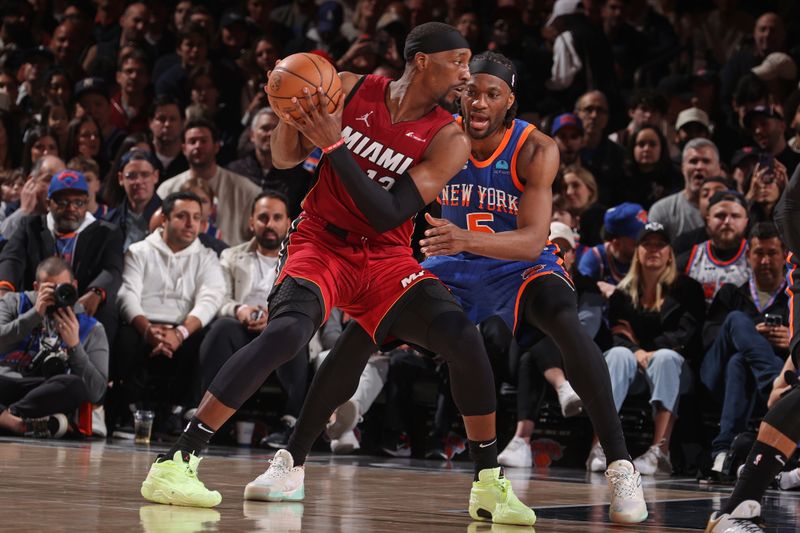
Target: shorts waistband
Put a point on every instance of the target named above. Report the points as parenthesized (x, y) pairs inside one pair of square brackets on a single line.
[(347, 236)]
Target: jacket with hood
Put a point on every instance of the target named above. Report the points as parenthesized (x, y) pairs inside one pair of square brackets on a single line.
[(167, 286)]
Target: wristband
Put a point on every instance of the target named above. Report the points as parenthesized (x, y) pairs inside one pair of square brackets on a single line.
[(334, 146), (183, 332)]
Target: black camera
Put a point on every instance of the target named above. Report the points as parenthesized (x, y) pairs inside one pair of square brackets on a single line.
[(65, 295), (50, 361)]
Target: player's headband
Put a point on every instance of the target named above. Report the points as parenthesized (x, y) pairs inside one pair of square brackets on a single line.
[(487, 66), (433, 43)]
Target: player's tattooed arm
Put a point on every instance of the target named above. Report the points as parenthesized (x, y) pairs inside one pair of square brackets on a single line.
[(537, 166)]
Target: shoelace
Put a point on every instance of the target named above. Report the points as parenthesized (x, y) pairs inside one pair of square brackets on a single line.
[(624, 485), (276, 470), (747, 525)]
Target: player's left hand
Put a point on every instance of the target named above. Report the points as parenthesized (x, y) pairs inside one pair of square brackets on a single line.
[(320, 127), (444, 238)]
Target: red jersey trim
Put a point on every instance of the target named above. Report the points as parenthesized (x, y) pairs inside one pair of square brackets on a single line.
[(731, 260)]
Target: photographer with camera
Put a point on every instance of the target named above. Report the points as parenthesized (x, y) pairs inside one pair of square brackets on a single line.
[(53, 356), (250, 270), (746, 338), (92, 248)]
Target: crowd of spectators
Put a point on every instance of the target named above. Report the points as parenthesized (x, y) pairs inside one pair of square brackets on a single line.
[(135, 167)]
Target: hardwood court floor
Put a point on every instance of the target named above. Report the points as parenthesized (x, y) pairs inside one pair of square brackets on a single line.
[(76, 486)]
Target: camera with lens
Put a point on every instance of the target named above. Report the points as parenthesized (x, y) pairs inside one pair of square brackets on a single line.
[(51, 359), (65, 295)]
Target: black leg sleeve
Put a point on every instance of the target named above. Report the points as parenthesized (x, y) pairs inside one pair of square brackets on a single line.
[(333, 384), (293, 376), (551, 305), (225, 336), (433, 320), (787, 212)]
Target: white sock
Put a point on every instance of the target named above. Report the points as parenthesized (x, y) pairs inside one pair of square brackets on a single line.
[(789, 480)]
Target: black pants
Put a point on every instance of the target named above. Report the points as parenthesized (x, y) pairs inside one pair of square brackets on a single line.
[(133, 369), (36, 397), (531, 384), (226, 336)]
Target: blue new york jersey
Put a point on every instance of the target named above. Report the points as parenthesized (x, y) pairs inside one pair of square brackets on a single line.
[(484, 196)]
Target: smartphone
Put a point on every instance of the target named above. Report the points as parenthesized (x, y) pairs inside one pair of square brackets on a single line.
[(771, 319), (767, 160)]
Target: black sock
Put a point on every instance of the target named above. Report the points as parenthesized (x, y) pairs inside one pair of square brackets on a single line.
[(194, 439), (484, 454), (761, 467)]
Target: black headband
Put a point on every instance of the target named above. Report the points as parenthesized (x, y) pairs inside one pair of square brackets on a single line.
[(433, 43), (487, 66)]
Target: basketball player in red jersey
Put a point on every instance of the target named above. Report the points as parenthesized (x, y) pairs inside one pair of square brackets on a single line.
[(388, 151)]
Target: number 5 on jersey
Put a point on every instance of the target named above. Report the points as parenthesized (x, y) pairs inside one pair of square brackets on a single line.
[(480, 222)]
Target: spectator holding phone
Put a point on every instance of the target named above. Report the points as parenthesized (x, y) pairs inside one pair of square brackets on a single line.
[(764, 187), (746, 338), (766, 125)]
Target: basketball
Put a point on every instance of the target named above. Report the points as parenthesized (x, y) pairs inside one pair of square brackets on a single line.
[(298, 71)]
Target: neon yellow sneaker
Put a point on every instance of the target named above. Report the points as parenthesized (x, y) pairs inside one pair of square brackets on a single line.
[(174, 482), (493, 499)]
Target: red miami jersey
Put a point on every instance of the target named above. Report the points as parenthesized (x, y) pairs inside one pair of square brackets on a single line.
[(383, 150)]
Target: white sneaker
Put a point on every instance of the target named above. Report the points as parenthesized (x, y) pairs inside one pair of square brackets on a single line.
[(346, 419), (653, 461), (517, 453), (281, 482), (742, 520), (345, 444), (788, 480), (627, 499), (571, 404), (596, 462)]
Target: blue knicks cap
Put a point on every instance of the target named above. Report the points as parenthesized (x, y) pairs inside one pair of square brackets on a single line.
[(567, 119), (67, 180), (625, 220)]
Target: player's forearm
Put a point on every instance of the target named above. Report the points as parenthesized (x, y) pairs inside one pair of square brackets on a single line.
[(384, 209), (517, 245), (288, 149)]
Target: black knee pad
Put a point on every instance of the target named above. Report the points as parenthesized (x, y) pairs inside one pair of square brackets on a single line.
[(296, 296), (785, 415)]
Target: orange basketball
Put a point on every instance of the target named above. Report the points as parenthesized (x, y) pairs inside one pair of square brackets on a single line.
[(303, 70)]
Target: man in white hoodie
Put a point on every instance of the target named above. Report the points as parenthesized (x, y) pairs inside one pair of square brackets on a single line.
[(172, 287)]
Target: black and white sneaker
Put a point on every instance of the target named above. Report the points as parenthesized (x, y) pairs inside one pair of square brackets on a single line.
[(46, 427)]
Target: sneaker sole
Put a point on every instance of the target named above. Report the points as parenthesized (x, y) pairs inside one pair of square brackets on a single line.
[(168, 497), (346, 420), (624, 519), (255, 493)]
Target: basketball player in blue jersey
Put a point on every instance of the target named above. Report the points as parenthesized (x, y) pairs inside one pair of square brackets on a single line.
[(504, 266)]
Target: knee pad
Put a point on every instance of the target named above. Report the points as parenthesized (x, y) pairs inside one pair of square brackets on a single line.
[(296, 296)]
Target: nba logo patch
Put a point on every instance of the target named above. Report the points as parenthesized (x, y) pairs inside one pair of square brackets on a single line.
[(501, 165)]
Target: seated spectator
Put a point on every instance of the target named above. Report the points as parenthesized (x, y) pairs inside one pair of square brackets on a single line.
[(131, 102), (766, 125), (53, 358), (39, 142), (779, 72), (69, 232), (11, 149), (204, 90), (55, 116), (581, 199), (711, 185), (764, 187), (92, 98), (257, 165), (723, 257), (91, 171), (206, 195), (692, 123), (646, 106), (192, 49), (567, 130), (85, 139), (33, 196), (608, 263), (234, 193), (324, 33), (603, 158), (11, 183), (264, 53), (166, 126), (137, 178), (656, 315), (250, 270), (679, 212), (172, 287), (745, 338), (131, 31), (58, 85), (649, 174)]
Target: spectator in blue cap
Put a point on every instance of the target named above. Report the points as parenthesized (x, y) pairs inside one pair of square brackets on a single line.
[(567, 130), (325, 34), (608, 263), (93, 248)]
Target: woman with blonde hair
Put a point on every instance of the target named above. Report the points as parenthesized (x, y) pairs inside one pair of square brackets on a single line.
[(580, 195), (656, 317)]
